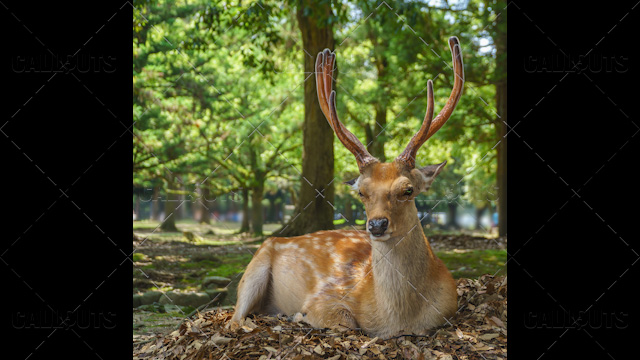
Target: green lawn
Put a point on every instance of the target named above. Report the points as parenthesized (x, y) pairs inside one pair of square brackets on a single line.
[(216, 234), (473, 263), (231, 265), (219, 228)]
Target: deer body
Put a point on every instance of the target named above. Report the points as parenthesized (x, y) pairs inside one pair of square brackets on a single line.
[(344, 289), (384, 280)]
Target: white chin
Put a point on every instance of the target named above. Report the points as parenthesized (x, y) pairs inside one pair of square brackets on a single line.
[(384, 237)]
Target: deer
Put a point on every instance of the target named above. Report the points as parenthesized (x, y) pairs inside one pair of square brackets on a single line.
[(384, 280)]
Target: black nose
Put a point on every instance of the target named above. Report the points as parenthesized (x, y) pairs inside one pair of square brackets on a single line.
[(377, 227)]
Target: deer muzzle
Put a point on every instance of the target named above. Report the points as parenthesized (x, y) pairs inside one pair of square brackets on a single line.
[(378, 226)]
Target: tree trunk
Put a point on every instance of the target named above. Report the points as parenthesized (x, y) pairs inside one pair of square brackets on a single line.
[(375, 143), (154, 203), (281, 207), (181, 212), (452, 215), (375, 136), (196, 208), (501, 127), (170, 204), (138, 207), (272, 215), (204, 216), (245, 211), (348, 211), (314, 209), (256, 209)]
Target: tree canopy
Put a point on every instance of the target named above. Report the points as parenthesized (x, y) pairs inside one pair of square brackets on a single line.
[(219, 99)]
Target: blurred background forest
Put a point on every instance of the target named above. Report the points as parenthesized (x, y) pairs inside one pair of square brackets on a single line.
[(228, 130)]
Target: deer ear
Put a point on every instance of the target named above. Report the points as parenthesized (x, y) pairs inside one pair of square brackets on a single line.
[(428, 174), (353, 183)]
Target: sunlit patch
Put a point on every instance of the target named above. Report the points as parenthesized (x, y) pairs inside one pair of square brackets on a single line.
[(280, 246)]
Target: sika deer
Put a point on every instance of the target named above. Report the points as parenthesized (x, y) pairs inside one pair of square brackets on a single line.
[(384, 280)]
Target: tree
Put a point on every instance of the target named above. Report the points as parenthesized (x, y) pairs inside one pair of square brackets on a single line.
[(314, 208), (185, 122), (171, 203)]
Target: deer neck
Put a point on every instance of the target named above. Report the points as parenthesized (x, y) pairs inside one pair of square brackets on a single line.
[(400, 267)]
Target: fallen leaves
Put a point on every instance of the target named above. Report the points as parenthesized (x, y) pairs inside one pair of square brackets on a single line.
[(488, 336), (479, 332)]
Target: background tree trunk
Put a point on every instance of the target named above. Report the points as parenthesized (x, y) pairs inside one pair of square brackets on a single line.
[(245, 211), (313, 211), (170, 204), (452, 215), (375, 144), (205, 217), (348, 211), (154, 203), (138, 207), (181, 212), (256, 209), (501, 127)]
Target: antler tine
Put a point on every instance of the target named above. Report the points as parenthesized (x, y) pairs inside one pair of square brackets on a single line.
[(429, 126), (458, 69), (322, 97), (325, 63), (408, 156)]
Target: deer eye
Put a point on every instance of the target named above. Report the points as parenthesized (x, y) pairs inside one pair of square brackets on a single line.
[(360, 194), (408, 191)]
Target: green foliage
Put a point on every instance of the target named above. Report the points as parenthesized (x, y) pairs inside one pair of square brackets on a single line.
[(218, 95)]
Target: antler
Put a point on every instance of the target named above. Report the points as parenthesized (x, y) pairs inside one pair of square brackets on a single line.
[(429, 127), (327, 97)]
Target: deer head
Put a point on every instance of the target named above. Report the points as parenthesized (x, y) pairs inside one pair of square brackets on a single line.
[(388, 190)]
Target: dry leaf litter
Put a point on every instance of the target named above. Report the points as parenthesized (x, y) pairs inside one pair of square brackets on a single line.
[(477, 332)]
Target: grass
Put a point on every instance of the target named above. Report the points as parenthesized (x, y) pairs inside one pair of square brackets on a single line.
[(139, 257), (461, 263), (479, 233), (473, 263), (231, 265), (218, 227), (203, 264), (216, 234), (210, 240), (163, 289)]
